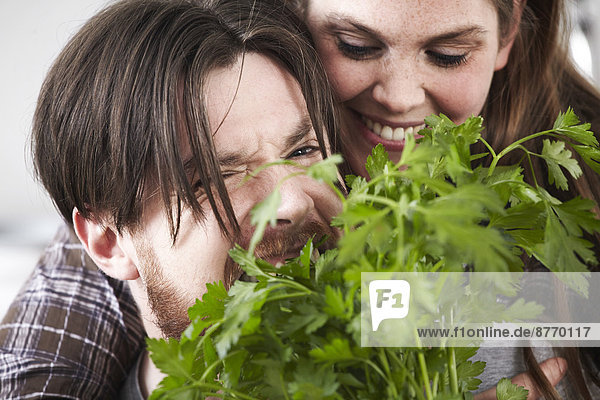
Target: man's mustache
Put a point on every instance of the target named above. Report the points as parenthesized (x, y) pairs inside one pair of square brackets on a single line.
[(276, 244), (279, 241)]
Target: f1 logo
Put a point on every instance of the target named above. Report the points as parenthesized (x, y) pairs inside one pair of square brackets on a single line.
[(389, 300)]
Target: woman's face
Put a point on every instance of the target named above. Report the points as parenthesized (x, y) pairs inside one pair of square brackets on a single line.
[(393, 63)]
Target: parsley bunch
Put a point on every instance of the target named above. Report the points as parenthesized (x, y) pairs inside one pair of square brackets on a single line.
[(295, 333)]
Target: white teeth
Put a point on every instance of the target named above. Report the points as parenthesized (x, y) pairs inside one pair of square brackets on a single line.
[(389, 133), (399, 133), (377, 128)]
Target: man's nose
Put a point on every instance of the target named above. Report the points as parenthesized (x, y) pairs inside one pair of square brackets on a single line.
[(399, 87), (296, 201)]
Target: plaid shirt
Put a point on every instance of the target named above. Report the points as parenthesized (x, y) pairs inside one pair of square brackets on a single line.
[(72, 332)]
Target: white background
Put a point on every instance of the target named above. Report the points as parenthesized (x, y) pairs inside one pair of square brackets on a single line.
[(32, 33)]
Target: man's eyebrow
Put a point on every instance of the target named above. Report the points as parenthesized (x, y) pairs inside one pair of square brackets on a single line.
[(234, 158), (297, 134), (300, 131)]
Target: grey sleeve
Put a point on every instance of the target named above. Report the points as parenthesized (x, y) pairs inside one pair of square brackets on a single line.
[(501, 362), (131, 388), (506, 362)]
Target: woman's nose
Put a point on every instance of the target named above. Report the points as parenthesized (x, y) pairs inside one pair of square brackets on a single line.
[(398, 88)]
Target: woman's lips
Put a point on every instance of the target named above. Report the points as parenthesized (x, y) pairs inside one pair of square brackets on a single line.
[(387, 132), (391, 137)]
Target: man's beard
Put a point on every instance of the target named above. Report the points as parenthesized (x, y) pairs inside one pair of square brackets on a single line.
[(170, 307)]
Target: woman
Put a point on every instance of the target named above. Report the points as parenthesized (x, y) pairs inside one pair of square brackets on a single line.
[(392, 63)]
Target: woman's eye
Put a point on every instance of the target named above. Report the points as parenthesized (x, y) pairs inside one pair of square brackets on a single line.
[(446, 60), (355, 52), (303, 151)]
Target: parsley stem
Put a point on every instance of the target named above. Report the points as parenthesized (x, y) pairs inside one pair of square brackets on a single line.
[(376, 199), (388, 175), (394, 356), (337, 191), (368, 376), (377, 369), (208, 334), (514, 146), (289, 282), (417, 389), (423, 368), (386, 366), (348, 394), (285, 296), (452, 370), (436, 381), (220, 391), (209, 369), (283, 387), (489, 147), (425, 374), (400, 213), (532, 170)]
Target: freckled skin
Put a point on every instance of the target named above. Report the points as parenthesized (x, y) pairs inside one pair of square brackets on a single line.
[(405, 76)]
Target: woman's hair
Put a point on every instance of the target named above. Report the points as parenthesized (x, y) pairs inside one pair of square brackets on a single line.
[(526, 96), (539, 80), (128, 90)]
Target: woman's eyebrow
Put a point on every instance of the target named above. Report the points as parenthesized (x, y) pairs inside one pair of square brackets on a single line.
[(337, 21), (344, 21), (471, 32)]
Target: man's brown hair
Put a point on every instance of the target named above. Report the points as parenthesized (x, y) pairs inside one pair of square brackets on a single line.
[(129, 88)]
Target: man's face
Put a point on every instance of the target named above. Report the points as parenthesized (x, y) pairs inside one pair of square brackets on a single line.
[(264, 119)]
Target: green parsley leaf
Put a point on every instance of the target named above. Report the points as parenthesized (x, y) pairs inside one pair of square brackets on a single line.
[(245, 299), (337, 350), (568, 124), (326, 170), (168, 356), (377, 161), (262, 214), (557, 156), (208, 311), (590, 155), (506, 390)]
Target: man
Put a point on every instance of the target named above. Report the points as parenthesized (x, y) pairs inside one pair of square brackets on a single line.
[(146, 126)]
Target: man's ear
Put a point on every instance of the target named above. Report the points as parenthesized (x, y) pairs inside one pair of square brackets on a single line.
[(111, 251), (507, 43)]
